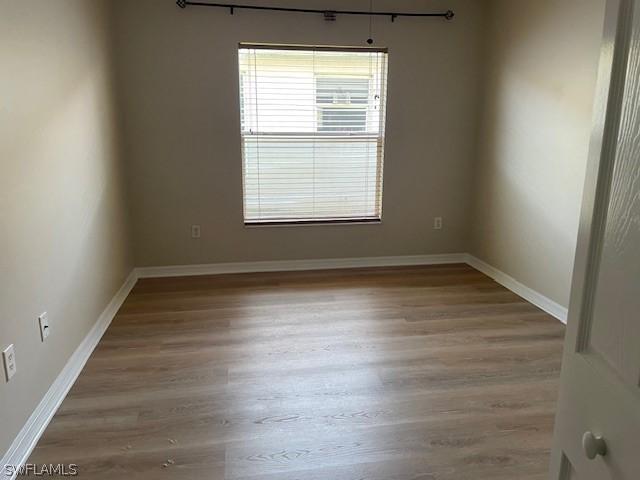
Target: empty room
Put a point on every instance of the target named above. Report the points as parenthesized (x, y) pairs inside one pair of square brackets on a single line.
[(320, 240)]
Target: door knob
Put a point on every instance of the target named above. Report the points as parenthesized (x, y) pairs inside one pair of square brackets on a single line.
[(593, 446)]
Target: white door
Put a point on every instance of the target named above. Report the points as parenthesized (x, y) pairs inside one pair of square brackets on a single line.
[(600, 385)]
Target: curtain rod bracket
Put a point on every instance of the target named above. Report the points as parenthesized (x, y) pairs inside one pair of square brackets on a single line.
[(330, 16), (181, 3)]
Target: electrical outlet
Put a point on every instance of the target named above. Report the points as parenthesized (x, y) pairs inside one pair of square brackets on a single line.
[(43, 320), (437, 223), (195, 231), (9, 358)]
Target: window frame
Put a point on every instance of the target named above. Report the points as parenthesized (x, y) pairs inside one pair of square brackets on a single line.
[(380, 138)]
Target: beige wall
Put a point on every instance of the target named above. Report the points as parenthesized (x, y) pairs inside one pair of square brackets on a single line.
[(63, 240), (542, 57), (180, 92)]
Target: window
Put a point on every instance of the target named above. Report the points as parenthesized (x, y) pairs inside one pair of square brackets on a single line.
[(312, 133), (342, 104)]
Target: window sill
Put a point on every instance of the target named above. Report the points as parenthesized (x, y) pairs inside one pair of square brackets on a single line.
[(312, 223)]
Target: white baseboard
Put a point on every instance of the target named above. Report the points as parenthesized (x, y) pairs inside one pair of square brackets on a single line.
[(539, 300), (505, 280), (295, 265), (27, 438)]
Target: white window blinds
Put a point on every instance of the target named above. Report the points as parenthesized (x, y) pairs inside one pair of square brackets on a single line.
[(312, 132)]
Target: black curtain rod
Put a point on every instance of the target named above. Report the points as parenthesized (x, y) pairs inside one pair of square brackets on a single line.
[(328, 14)]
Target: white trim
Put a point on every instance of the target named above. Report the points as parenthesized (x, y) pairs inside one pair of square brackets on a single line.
[(545, 303), (295, 265), (27, 438), (538, 299)]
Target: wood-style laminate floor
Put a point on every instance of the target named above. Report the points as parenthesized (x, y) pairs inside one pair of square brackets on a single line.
[(379, 374)]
